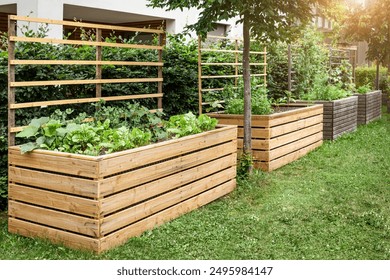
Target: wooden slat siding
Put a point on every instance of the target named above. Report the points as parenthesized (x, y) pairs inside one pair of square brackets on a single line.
[(54, 182), (265, 156), (52, 218), (294, 126), (295, 146), (54, 200), (294, 115), (269, 120), (84, 100), (134, 158), (229, 119), (335, 113), (293, 136), (69, 239), (55, 162), (83, 43), (86, 25), (120, 236), (275, 164), (369, 107), (127, 198), (158, 171), (154, 205)]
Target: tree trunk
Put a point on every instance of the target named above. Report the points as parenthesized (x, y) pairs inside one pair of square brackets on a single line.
[(247, 92), (377, 75)]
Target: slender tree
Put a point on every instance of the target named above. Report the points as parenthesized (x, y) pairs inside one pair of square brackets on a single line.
[(264, 20), (372, 24)]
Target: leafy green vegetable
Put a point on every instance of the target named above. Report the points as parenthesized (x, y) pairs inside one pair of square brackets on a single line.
[(111, 129), (363, 89)]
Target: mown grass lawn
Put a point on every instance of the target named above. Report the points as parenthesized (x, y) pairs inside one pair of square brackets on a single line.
[(332, 204)]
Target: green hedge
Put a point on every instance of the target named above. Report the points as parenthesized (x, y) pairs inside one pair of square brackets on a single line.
[(366, 75)]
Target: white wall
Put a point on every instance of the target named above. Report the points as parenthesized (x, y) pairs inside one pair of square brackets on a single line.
[(54, 9)]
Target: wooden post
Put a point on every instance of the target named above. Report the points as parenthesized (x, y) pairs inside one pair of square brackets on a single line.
[(200, 73), (236, 66), (265, 66), (98, 66), (11, 79), (160, 72), (289, 67)]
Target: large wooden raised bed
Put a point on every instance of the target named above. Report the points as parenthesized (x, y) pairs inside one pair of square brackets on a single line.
[(340, 116), (97, 203), (280, 138), (369, 107)]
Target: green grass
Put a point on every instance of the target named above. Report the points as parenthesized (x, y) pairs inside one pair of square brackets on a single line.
[(332, 204)]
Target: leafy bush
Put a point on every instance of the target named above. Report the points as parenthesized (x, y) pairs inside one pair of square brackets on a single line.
[(366, 75), (310, 63), (277, 70), (326, 92), (363, 89), (234, 99)]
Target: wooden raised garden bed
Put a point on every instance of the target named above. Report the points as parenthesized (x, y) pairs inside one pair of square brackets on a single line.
[(96, 203), (369, 107), (280, 138), (340, 116)]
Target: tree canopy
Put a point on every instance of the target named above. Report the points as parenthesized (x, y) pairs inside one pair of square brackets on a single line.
[(372, 24), (269, 20)]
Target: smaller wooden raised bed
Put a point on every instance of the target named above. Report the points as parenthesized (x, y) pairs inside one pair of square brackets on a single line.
[(280, 138), (369, 107), (340, 116), (96, 203)]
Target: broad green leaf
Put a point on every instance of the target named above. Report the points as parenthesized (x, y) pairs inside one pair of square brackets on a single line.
[(28, 147), (28, 132)]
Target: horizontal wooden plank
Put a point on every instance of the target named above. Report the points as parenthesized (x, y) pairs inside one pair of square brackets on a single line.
[(86, 25), (54, 200), (230, 51), (57, 219), (157, 171), (54, 182), (62, 237), (197, 175), (231, 64), (83, 100), (257, 133), (257, 144), (84, 82), (270, 166), (294, 136), (293, 156), (125, 160), (294, 115), (294, 126), (121, 236), (231, 76), (83, 62), (84, 43), (54, 162), (295, 146), (151, 206)]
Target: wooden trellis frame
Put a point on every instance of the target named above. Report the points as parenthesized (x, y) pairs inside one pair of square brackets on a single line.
[(98, 63), (336, 55), (236, 64)]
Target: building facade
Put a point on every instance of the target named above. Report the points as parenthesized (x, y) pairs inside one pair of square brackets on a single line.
[(135, 13)]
